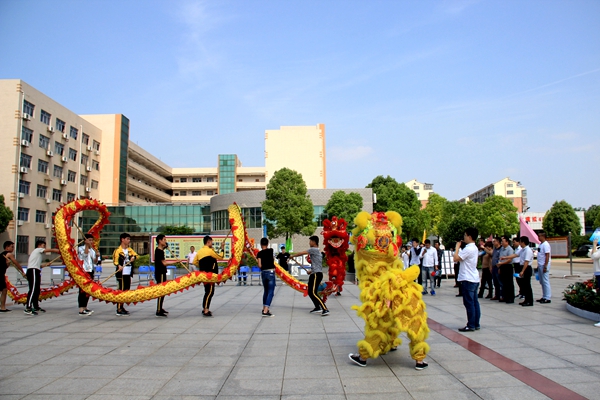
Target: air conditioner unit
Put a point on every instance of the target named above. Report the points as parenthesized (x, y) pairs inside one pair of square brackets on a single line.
[(97, 152), (48, 226), (88, 168), (65, 136), (49, 153), (26, 116), (64, 159), (63, 182), (24, 170), (25, 143), (89, 148), (48, 201), (50, 129), (21, 195), (87, 189), (20, 223)]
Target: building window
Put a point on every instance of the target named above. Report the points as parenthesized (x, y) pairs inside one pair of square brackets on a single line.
[(28, 107), (524, 193), (44, 142), (40, 216), (96, 145), (60, 125), (45, 117), (509, 185), (196, 180), (43, 166), (71, 176), (22, 244), (85, 139), (83, 180), (416, 187), (27, 134), (428, 186), (24, 187), (70, 197), (58, 171), (196, 193), (25, 160), (56, 195), (183, 193), (240, 180), (183, 180), (210, 192), (42, 239), (418, 194), (509, 192), (72, 154), (210, 179), (84, 159), (42, 191), (59, 149), (94, 184), (74, 132), (23, 214), (96, 165)]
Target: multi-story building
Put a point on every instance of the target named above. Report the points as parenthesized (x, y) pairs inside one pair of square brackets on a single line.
[(300, 148), (50, 155), (512, 190), (423, 190)]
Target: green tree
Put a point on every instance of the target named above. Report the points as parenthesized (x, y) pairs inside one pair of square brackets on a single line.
[(591, 217), (176, 230), (394, 196), (498, 217), (561, 219), (433, 213), (344, 205), (597, 221), (6, 215), (287, 209), (456, 217)]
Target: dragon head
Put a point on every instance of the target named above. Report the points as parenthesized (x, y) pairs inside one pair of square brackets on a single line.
[(378, 232)]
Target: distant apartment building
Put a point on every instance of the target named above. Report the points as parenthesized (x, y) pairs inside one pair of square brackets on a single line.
[(512, 190), (300, 148), (423, 190)]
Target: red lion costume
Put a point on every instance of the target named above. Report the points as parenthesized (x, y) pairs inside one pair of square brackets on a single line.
[(336, 244)]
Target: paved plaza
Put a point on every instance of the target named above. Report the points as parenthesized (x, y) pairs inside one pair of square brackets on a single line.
[(294, 355)]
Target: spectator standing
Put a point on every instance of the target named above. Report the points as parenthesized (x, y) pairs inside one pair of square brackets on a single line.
[(438, 274), (486, 272), (429, 259), (596, 259), (415, 252), (405, 257), (190, 259), (282, 259), (495, 253), (526, 257), (506, 270), (516, 260), (544, 258), (468, 278)]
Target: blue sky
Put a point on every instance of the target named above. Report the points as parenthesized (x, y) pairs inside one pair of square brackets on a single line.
[(455, 93)]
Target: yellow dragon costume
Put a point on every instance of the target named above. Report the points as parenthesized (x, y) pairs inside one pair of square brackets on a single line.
[(391, 300)]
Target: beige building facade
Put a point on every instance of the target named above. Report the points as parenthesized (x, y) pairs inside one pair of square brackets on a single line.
[(423, 190), (511, 189), (300, 148)]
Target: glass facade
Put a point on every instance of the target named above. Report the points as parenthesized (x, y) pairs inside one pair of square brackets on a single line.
[(252, 216), (123, 159), (144, 220), (227, 172)]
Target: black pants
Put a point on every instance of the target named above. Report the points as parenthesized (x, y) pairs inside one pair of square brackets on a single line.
[(34, 277), (456, 270), (486, 279), (508, 284), (209, 292), (160, 278), (420, 277), (518, 268), (123, 283), (83, 297), (314, 280), (526, 285)]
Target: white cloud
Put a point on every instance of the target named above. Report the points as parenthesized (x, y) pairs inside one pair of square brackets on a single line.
[(349, 154)]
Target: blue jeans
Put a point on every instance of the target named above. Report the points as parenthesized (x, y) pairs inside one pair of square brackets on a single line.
[(268, 279), (469, 293), (544, 278), (426, 272)]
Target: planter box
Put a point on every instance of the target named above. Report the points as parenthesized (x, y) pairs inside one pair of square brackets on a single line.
[(583, 314)]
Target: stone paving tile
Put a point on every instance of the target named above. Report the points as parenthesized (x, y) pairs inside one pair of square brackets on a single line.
[(143, 385), (320, 386), (510, 393), (256, 372), (372, 385), (257, 386), (75, 386), (475, 380), (192, 387), (143, 372), (54, 397), (589, 389), (453, 394)]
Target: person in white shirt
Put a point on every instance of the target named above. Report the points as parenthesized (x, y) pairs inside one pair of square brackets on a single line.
[(191, 256), (415, 251), (596, 259), (468, 278), (405, 256), (89, 258), (429, 257), (34, 275), (544, 259), (526, 257)]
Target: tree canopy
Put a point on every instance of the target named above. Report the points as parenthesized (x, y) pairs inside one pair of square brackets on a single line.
[(287, 209), (394, 196), (498, 217), (6, 215), (456, 217), (561, 219), (433, 213), (344, 205), (592, 217)]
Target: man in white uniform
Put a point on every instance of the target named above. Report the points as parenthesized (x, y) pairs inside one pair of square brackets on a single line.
[(468, 278), (34, 276), (543, 258), (191, 256)]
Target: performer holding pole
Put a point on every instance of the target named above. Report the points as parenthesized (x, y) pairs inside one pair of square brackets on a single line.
[(7, 257), (123, 258), (89, 256), (160, 271), (206, 261), (34, 275), (316, 275)]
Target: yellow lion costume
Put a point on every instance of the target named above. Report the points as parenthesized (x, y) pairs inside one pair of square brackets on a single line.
[(391, 300)]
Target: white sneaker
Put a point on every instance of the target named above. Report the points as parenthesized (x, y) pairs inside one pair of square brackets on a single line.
[(598, 324)]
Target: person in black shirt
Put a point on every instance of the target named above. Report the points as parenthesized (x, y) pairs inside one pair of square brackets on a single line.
[(5, 258), (282, 259), (206, 261), (267, 268), (160, 270)]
